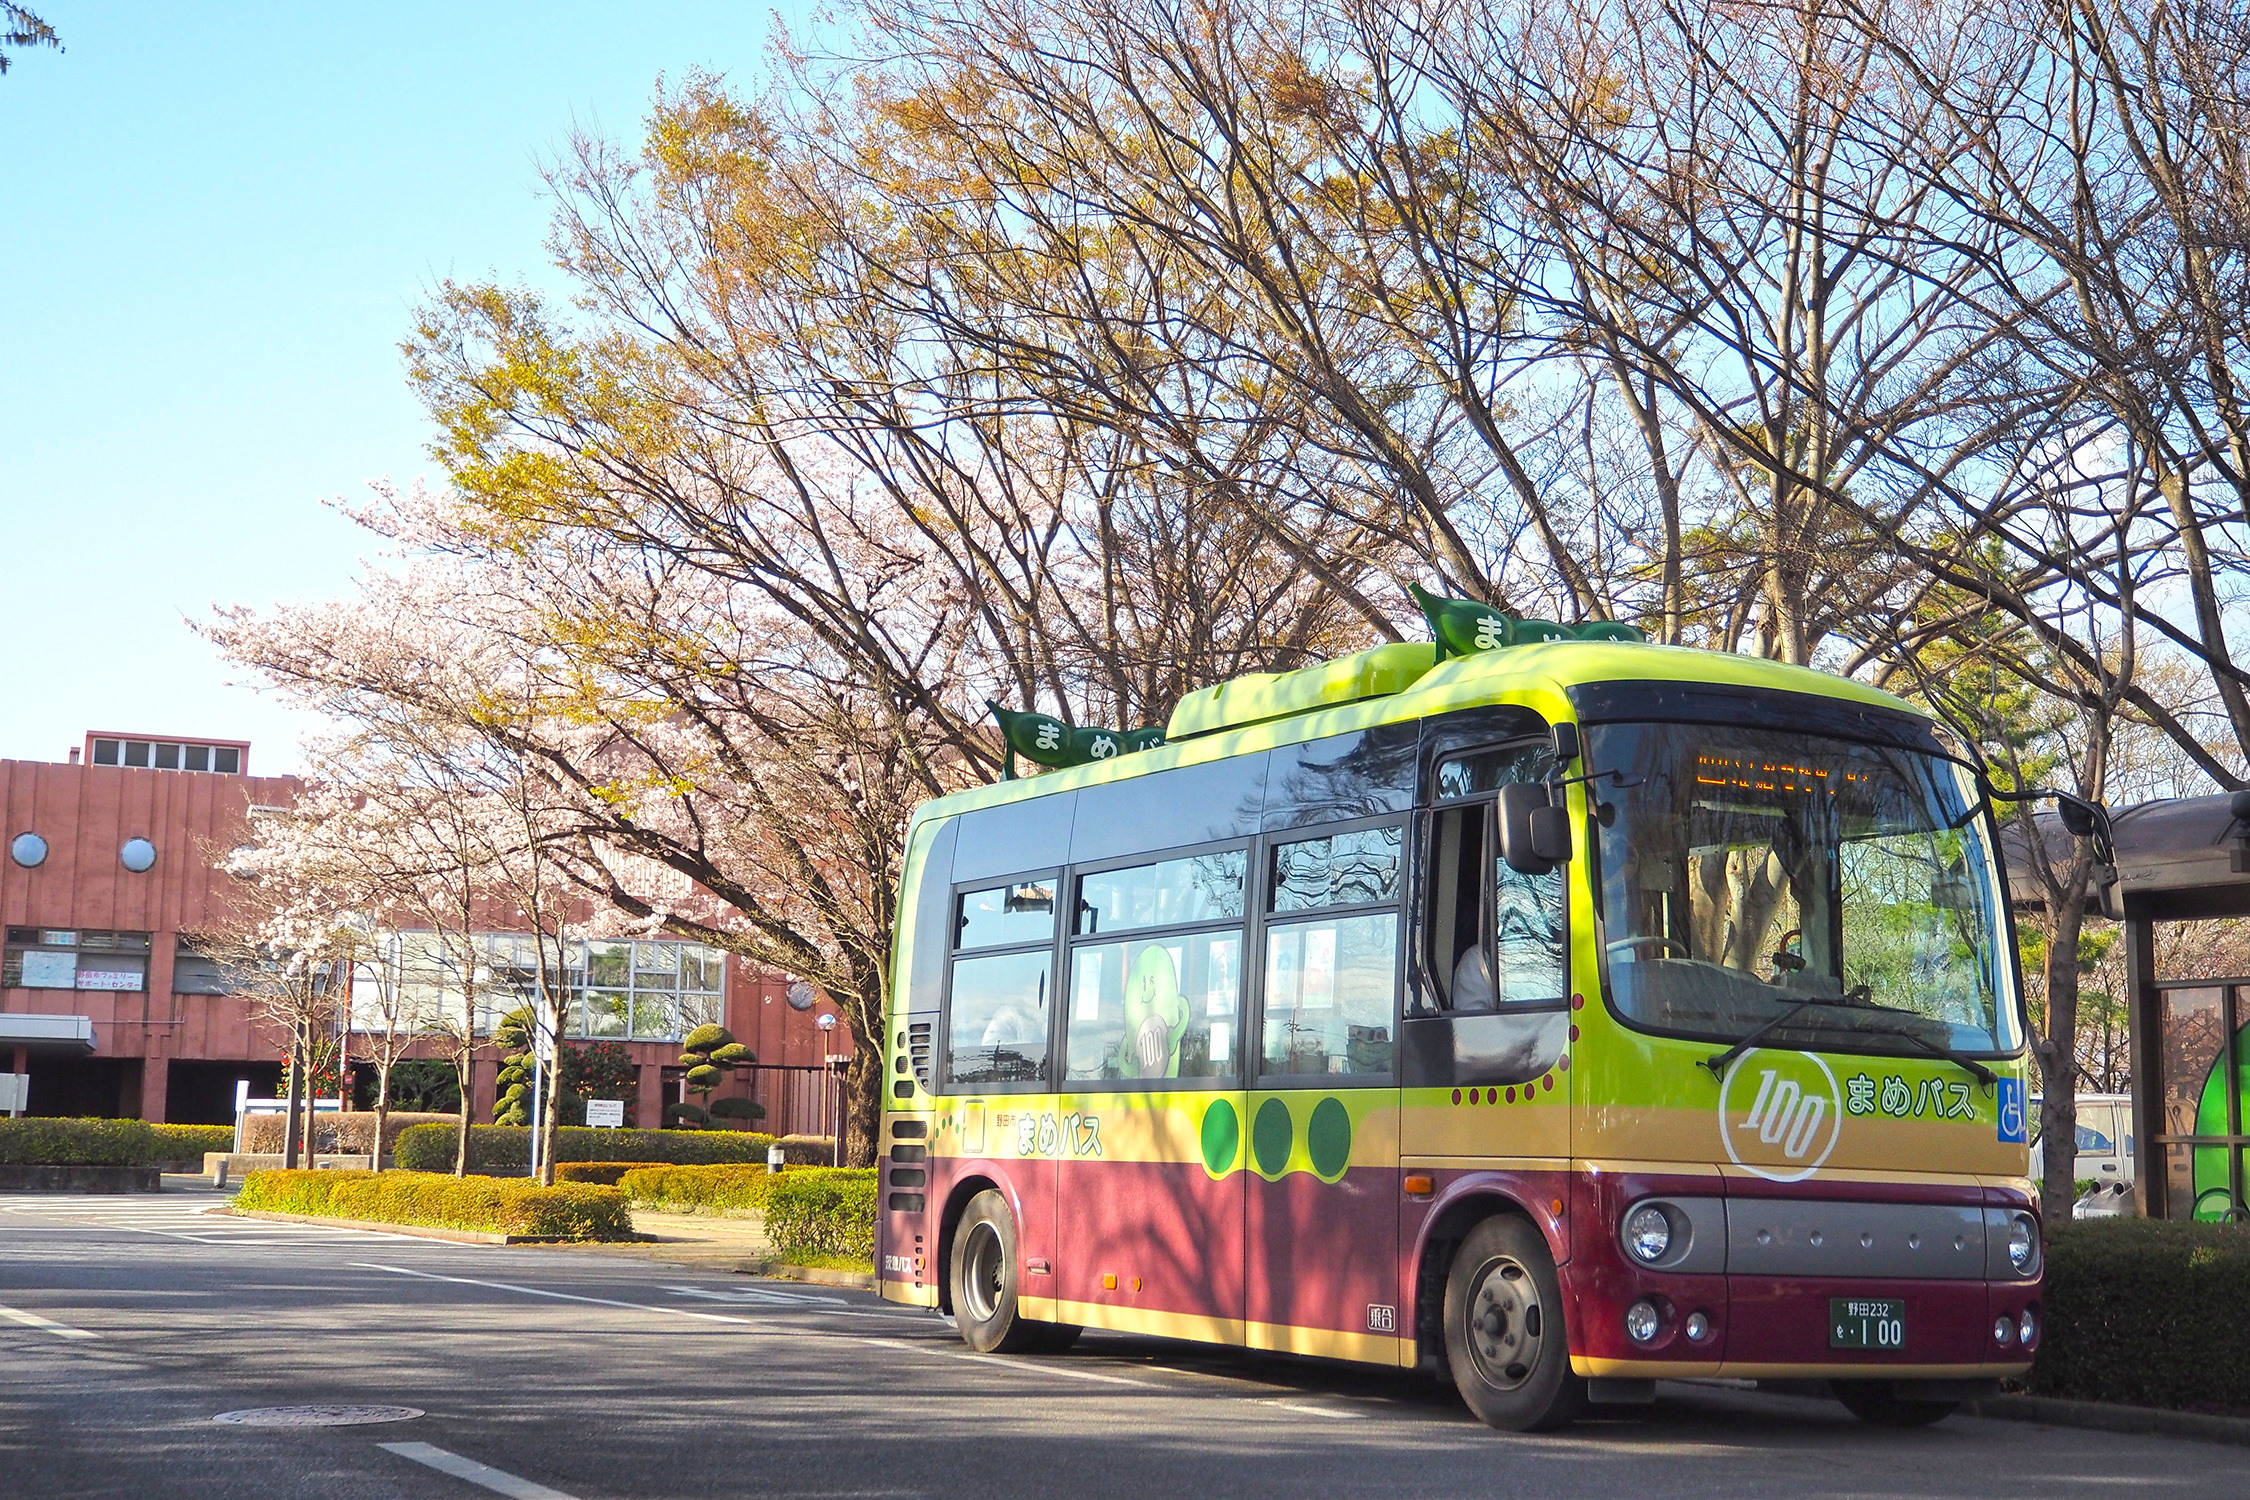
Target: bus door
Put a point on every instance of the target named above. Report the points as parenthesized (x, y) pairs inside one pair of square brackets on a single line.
[(1149, 1188), (1489, 1020), (1321, 1179)]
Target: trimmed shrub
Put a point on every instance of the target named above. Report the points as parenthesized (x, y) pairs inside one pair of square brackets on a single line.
[(176, 1143), (81, 1143), (575, 1211), (502, 1148), (2148, 1313), (808, 1150), (822, 1214), (688, 1189), (604, 1172)]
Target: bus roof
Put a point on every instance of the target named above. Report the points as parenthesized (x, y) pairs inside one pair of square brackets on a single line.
[(1357, 692)]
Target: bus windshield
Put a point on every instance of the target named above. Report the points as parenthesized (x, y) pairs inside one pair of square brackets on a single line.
[(1747, 871)]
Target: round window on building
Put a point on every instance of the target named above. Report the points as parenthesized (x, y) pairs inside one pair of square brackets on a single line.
[(137, 855), (29, 850)]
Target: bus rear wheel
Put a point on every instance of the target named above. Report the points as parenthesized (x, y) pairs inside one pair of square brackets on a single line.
[(1877, 1404), (1504, 1332), (983, 1278)]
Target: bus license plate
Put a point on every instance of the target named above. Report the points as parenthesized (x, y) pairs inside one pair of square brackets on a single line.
[(1866, 1323)]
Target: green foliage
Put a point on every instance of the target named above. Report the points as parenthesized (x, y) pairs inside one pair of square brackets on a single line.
[(710, 1053), (429, 1148), (737, 1109), (597, 1070), (189, 1142), (511, 1103), (823, 1212), (687, 1116), (709, 1189), (81, 1143), (426, 1085), (605, 1173), (575, 1211), (2147, 1313)]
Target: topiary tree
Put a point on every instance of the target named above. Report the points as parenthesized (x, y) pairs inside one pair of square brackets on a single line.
[(690, 1116), (512, 1105), (737, 1109), (710, 1053)]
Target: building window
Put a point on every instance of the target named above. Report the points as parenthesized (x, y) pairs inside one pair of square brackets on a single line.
[(168, 755), (195, 974), (50, 958), (623, 989)]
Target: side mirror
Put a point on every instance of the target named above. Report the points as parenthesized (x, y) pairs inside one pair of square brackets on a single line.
[(1534, 833), (1565, 737), (2077, 817)]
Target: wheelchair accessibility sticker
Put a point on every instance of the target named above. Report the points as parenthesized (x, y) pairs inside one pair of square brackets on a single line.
[(2011, 1112)]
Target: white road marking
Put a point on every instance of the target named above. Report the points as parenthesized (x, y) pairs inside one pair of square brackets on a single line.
[(1038, 1369), (45, 1325), (754, 1295), (499, 1481), (1337, 1413), (540, 1291)]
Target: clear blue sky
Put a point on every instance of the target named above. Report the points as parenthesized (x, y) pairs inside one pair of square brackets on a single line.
[(215, 222)]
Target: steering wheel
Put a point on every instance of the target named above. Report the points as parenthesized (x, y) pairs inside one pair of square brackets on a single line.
[(1644, 941)]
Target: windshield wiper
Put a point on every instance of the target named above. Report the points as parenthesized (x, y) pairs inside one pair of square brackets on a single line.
[(1718, 1062), (1975, 1069)]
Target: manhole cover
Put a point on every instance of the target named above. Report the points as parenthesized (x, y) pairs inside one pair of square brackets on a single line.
[(316, 1416)]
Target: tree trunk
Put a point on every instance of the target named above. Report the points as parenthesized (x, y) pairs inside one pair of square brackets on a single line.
[(464, 1064), (2058, 1058), (863, 1104), (289, 1118), (382, 1110), (548, 1116)]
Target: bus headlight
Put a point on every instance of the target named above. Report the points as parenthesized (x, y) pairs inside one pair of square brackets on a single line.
[(2023, 1244), (1648, 1233)]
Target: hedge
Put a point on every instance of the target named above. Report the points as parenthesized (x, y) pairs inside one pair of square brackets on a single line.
[(715, 1189), (574, 1211), (190, 1142), (107, 1143), (430, 1148), (2147, 1313), (605, 1173), (347, 1133), (819, 1214)]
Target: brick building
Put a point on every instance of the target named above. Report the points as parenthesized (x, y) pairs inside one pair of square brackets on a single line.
[(112, 856)]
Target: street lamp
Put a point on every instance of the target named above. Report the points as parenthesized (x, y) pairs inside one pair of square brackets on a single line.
[(827, 1024)]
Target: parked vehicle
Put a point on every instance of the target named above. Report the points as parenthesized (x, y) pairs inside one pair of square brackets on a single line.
[(2105, 1140)]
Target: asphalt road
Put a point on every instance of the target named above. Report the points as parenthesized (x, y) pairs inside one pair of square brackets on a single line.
[(127, 1325)]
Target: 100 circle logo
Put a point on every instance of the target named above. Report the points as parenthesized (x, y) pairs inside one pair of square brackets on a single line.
[(1780, 1114)]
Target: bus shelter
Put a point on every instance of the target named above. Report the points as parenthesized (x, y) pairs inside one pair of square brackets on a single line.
[(2184, 859)]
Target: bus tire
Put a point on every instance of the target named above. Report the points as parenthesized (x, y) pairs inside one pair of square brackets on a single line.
[(983, 1278), (1504, 1330), (1877, 1404)]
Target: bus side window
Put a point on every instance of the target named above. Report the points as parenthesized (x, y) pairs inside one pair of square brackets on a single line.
[(1495, 934), (1459, 964), (1331, 977), (997, 1002)]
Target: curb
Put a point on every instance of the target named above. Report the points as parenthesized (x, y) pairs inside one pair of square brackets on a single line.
[(821, 1275), (2101, 1416), (414, 1231)]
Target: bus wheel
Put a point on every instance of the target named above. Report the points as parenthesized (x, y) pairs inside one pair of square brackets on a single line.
[(984, 1279), (1874, 1402), (1504, 1329)]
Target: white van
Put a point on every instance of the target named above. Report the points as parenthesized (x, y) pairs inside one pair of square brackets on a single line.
[(2105, 1140)]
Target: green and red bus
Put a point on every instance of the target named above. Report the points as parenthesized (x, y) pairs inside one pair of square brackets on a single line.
[(1554, 1018)]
